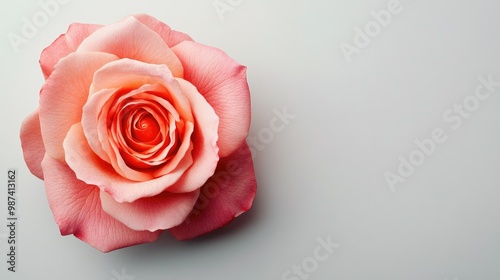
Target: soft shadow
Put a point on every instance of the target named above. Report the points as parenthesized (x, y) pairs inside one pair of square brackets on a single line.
[(167, 246)]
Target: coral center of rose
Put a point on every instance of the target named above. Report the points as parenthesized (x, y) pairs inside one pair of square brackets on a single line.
[(145, 128)]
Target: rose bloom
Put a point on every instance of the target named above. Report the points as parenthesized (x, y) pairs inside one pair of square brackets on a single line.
[(140, 130)]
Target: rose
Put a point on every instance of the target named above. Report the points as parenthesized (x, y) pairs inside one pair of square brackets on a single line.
[(135, 121)]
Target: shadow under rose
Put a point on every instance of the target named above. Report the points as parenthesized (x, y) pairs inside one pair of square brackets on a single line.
[(167, 247)]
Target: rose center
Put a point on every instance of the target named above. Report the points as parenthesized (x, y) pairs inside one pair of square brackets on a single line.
[(145, 128)]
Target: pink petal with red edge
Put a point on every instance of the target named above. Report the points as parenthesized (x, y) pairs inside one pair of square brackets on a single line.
[(132, 39), (63, 96), (64, 45), (223, 83), (159, 212), (77, 210), (171, 37), (32, 144), (226, 195), (205, 152), (89, 168)]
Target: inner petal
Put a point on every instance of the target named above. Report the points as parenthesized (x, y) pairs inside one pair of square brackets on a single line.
[(145, 127), (149, 133), (145, 132), (136, 118)]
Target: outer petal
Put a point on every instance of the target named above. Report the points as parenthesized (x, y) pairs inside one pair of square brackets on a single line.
[(63, 96), (171, 37), (222, 81), (159, 212), (64, 45), (132, 39), (226, 195), (89, 168), (32, 144), (77, 210)]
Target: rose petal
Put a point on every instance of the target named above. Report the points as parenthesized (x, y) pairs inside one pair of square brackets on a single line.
[(89, 168), (226, 195), (32, 144), (132, 74), (171, 37), (132, 39), (156, 151), (205, 152), (63, 96), (77, 210), (223, 83), (159, 212), (64, 45), (95, 117), (184, 150), (97, 104), (105, 139)]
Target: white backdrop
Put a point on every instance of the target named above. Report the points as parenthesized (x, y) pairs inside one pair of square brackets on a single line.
[(364, 89)]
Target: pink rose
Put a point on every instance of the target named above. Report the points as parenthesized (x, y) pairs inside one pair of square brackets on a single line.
[(140, 129)]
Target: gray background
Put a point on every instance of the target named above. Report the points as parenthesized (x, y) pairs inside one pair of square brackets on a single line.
[(324, 174)]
